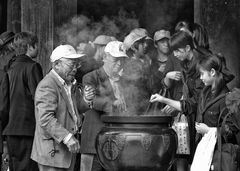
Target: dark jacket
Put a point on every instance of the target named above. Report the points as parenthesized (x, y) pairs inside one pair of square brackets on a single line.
[(102, 104), (192, 87), (212, 110), (175, 90), (24, 75), (4, 104)]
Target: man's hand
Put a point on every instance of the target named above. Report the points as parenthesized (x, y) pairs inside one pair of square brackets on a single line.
[(174, 75), (73, 145), (120, 105), (89, 92), (162, 68)]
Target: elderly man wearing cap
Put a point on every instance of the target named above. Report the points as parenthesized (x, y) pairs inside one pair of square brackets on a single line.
[(109, 99), (94, 55), (58, 107)]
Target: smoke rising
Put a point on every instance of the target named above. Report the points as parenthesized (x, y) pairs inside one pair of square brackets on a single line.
[(81, 29)]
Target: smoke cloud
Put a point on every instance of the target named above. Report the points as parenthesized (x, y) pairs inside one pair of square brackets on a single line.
[(81, 29)]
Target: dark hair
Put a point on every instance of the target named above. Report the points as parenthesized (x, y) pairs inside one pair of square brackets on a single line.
[(183, 24), (218, 63), (180, 40), (22, 40), (130, 52), (200, 36)]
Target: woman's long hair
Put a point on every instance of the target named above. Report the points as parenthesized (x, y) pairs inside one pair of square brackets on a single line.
[(200, 36)]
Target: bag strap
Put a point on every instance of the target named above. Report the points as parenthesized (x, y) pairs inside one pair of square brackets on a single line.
[(219, 137)]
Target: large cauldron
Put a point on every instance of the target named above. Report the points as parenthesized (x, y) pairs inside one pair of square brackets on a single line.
[(142, 143)]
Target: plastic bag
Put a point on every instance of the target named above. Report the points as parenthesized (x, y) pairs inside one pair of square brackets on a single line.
[(204, 153)]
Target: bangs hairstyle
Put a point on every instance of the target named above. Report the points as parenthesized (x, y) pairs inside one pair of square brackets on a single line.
[(22, 40), (212, 61), (180, 40)]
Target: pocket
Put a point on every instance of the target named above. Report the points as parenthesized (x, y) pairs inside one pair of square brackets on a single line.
[(212, 116)]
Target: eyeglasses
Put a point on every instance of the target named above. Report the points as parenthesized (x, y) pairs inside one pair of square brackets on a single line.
[(73, 65)]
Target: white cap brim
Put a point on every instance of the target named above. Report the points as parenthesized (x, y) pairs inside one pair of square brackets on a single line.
[(118, 55), (73, 56)]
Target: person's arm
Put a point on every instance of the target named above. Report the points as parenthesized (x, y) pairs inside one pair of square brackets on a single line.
[(4, 100), (100, 102), (173, 103)]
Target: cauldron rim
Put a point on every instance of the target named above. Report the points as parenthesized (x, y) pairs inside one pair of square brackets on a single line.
[(136, 119)]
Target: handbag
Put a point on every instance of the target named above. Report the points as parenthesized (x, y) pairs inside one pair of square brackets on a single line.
[(227, 156), (180, 125), (204, 151)]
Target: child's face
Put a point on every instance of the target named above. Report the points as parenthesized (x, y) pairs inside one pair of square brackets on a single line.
[(207, 77)]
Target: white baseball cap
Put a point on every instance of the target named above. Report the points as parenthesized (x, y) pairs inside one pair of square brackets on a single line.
[(65, 51), (116, 49)]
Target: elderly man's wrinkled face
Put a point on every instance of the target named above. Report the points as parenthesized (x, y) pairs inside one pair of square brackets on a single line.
[(67, 68)]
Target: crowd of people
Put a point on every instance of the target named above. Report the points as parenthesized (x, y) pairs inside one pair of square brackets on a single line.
[(51, 122)]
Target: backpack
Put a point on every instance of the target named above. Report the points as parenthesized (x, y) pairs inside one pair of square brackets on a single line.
[(227, 156)]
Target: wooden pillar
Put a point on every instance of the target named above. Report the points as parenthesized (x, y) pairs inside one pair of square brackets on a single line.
[(42, 17), (14, 15), (165, 14), (3, 14), (221, 19)]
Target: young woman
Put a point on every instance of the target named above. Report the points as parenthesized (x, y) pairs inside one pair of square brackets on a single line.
[(189, 86), (211, 103)]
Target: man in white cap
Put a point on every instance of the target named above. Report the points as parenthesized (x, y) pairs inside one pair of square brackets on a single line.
[(58, 107), (94, 55), (108, 99)]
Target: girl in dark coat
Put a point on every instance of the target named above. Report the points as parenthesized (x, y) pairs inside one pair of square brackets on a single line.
[(211, 102)]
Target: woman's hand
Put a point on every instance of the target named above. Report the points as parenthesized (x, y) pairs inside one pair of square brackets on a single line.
[(168, 109), (156, 98), (202, 128), (174, 75)]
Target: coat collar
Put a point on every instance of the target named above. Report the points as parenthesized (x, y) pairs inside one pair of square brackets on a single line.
[(64, 94), (207, 90)]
